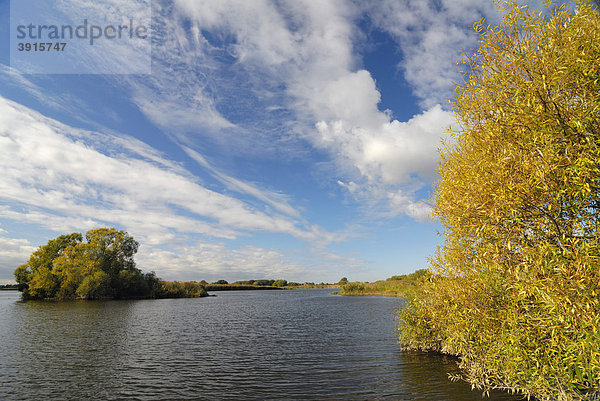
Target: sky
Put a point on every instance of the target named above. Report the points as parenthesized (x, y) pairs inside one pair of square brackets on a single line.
[(236, 139)]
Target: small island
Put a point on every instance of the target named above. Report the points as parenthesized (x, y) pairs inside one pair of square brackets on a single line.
[(101, 267)]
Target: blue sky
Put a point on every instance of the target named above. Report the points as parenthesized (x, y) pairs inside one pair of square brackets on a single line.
[(272, 139)]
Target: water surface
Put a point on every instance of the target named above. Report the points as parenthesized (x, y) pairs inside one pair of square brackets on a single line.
[(239, 345)]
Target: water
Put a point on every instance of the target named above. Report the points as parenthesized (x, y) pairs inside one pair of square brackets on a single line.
[(240, 345)]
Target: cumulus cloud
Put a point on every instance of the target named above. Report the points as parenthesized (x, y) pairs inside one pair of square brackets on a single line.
[(376, 152), (308, 50)]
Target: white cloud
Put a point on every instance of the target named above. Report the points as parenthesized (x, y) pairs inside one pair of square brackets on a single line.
[(171, 114), (15, 248), (308, 49), (67, 182), (277, 200), (431, 36), (63, 102), (213, 261), (394, 153), (13, 252), (180, 96)]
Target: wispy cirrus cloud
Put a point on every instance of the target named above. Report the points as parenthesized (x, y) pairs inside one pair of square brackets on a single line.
[(68, 179), (277, 200)]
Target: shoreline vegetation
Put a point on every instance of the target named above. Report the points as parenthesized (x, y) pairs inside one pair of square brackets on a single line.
[(515, 287), (402, 286)]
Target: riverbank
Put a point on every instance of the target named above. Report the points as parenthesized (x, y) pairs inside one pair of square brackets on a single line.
[(403, 286)]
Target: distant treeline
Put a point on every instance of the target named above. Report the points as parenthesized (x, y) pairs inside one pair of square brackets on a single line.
[(9, 286), (258, 283), (236, 287), (262, 284)]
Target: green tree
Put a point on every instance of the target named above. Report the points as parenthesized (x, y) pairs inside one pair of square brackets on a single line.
[(94, 286), (115, 251), (37, 278), (515, 284), (44, 284), (280, 283), (343, 281), (101, 267), (263, 282), (23, 276), (73, 266), (68, 268)]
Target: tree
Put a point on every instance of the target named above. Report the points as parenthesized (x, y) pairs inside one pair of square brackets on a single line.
[(101, 267), (94, 286), (516, 282), (36, 278), (115, 250), (280, 283), (263, 282), (343, 281), (75, 264)]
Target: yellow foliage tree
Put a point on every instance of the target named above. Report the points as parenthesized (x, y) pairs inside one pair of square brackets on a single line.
[(515, 290)]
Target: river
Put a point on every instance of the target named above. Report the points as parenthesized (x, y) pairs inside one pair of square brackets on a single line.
[(239, 345)]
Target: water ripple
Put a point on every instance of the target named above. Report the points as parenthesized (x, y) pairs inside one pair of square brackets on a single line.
[(246, 345)]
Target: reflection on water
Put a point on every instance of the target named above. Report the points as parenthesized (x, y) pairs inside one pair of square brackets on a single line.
[(298, 345)]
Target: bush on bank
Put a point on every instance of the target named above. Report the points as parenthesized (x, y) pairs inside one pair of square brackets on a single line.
[(515, 290)]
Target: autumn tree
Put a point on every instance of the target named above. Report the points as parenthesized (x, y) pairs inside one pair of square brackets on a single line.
[(101, 267), (37, 278), (516, 286), (67, 267), (280, 283)]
